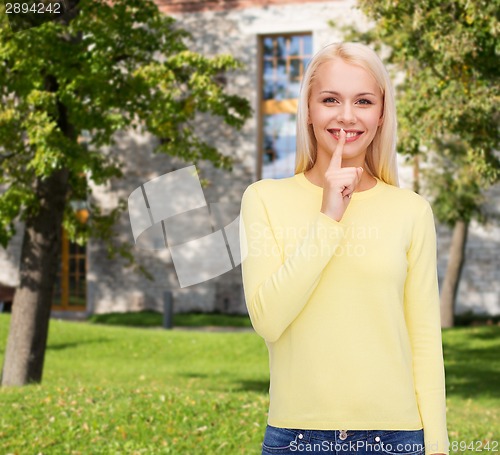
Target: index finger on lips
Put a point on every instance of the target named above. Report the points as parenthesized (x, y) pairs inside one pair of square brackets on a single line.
[(336, 160)]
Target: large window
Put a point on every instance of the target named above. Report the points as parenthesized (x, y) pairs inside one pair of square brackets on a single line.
[(284, 59)]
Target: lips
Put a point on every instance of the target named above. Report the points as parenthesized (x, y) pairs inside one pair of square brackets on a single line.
[(352, 135)]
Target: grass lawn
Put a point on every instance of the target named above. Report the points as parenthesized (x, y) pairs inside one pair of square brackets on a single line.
[(119, 390)]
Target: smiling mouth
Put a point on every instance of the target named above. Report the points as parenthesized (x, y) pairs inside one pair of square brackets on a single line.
[(350, 134)]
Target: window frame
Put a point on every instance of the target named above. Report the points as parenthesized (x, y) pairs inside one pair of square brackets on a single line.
[(64, 271), (260, 88)]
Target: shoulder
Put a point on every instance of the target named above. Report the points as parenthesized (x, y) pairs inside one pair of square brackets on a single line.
[(414, 211), (268, 189), (406, 199)]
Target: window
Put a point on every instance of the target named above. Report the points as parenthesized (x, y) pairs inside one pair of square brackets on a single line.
[(70, 290), (284, 59)]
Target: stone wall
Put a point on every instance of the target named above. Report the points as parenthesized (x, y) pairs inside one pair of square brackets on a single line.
[(479, 289), (112, 287), (9, 258)]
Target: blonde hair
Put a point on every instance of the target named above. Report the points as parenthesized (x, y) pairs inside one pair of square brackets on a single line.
[(380, 158)]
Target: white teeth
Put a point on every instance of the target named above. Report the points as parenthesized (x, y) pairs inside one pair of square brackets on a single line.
[(336, 133)]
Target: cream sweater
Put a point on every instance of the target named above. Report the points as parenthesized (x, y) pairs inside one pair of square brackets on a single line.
[(349, 310)]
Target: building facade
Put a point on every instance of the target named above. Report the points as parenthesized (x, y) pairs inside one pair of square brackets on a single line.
[(274, 40)]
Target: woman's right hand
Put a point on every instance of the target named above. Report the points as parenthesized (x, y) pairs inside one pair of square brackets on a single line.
[(339, 183)]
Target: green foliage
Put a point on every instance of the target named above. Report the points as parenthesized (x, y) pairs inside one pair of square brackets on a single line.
[(114, 66), (448, 100)]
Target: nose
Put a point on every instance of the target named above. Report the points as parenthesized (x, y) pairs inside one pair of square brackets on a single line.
[(346, 114)]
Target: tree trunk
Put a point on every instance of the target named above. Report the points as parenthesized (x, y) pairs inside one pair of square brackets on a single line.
[(453, 272), (40, 254)]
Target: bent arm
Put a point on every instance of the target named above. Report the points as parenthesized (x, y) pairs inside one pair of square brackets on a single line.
[(422, 313), (276, 289)]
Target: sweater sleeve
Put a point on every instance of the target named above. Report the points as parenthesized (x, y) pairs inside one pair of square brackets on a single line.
[(422, 313), (276, 286)]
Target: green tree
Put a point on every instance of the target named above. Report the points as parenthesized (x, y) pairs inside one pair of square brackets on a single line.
[(447, 106), (99, 68)]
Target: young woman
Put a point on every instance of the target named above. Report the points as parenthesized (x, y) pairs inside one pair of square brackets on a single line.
[(340, 278)]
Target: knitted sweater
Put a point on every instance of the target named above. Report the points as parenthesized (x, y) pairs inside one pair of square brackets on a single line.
[(349, 310)]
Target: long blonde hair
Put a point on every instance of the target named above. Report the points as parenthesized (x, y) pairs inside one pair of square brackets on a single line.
[(380, 158)]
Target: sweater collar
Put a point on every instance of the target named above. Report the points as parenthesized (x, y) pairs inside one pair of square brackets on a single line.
[(303, 181)]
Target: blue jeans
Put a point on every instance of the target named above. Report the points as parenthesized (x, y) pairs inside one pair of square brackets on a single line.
[(343, 442)]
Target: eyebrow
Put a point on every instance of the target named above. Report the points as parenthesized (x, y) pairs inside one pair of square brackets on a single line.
[(338, 94)]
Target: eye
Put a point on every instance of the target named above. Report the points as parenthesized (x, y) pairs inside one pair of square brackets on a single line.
[(329, 100), (364, 99)]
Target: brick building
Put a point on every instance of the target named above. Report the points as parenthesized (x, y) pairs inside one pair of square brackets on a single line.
[(274, 39)]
